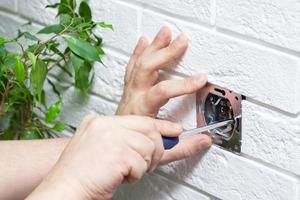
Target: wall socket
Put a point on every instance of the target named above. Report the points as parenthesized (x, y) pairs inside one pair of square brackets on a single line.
[(216, 104)]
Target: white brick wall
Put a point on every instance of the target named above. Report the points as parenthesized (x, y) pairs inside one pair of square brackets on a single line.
[(252, 47)]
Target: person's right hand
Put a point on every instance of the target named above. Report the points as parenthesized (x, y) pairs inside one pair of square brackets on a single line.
[(105, 152)]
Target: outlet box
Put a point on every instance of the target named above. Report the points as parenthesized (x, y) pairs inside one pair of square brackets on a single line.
[(216, 104)]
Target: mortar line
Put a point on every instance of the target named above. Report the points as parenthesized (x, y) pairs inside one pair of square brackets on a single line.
[(271, 166), (91, 92), (258, 42), (117, 50), (214, 29), (272, 108), (191, 22), (10, 13), (109, 50), (16, 14), (249, 99), (192, 187), (148, 7)]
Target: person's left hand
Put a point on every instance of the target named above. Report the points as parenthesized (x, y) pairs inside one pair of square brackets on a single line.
[(144, 95)]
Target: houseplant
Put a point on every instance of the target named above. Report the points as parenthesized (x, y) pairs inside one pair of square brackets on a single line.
[(70, 44)]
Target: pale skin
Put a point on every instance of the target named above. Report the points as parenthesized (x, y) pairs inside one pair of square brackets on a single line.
[(107, 151)]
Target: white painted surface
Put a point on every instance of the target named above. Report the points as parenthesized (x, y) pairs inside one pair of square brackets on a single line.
[(252, 47)]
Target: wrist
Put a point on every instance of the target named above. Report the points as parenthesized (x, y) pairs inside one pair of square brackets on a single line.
[(62, 189)]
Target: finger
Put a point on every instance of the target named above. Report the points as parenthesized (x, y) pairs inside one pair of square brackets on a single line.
[(160, 94), (187, 147), (158, 151), (153, 129), (139, 49), (141, 144), (165, 56), (147, 125), (137, 167), (161, 40)]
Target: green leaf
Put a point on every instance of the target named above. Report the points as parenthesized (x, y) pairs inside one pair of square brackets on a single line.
[(53, 47), (106, 25), (53, 5), (3, 50), (32, 58), (85, 11), (7, 135), (99, 40), (37, 78), (30, 135), (59, 127), (56, 28), (83, 49), (65, 20), (53, 87), (76, 62), (19, 70), (100, 51), (66, 7), (28, 36), (53, 111), (2, 40), (82, 77), (10, 60)]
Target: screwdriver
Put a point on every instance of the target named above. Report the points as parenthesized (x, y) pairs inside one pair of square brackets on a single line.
[(170, 142)]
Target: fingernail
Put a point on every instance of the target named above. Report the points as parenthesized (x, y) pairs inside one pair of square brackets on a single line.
[(181, 38), (161, 32), (207, 142), (200, 80)]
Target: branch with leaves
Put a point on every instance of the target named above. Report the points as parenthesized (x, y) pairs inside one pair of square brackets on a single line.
[(71, 42)]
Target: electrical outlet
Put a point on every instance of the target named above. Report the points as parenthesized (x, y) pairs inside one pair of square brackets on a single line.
[(216, 104)]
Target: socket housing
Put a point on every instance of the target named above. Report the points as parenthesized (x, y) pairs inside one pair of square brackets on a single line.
[(216, 104)]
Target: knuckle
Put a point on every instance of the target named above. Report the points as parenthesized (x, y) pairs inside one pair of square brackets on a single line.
[(142, 64), (188, 84), (150, 148)]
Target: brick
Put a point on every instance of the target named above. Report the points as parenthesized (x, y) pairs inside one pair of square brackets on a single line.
[(124, 20), (180, 109), (190, 10), (276, 22), (35, 10), (8, 4), (231, 63), (75, 106), (157, 187), (271, 137), (10, 28), (229, 176), (109, 78)]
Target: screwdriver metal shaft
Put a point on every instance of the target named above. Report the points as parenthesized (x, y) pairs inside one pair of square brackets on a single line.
[(206, 128), (170, 142)]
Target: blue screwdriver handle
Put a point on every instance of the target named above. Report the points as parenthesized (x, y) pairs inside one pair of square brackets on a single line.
[(170, 142)]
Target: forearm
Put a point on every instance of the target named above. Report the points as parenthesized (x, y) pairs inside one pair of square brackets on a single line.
[(24, 164)]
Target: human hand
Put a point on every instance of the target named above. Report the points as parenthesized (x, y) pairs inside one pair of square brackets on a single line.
[(105, 152), (144, 95)]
